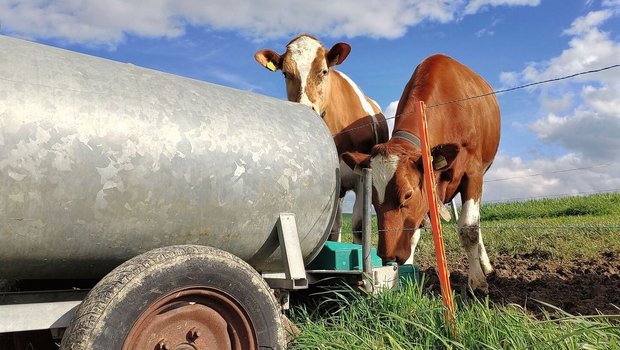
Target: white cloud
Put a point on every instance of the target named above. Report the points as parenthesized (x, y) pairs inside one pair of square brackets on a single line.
[(589, 48), (556, 105), (488, 31), (580, 115), (98, 22), (475, 5), (485, 32), (390, 112), (592, 126), (584, 24), (587, 130), (513, 178), (509, 79), (102, 22)]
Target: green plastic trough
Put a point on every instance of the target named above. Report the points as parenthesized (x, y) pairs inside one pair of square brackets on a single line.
[(339, 256)]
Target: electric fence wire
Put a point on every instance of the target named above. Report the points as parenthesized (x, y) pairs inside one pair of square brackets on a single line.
[(495, 92)]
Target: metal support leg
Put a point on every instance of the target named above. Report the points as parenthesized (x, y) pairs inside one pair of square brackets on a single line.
[(291, 250), (367, 227), (294, 276)]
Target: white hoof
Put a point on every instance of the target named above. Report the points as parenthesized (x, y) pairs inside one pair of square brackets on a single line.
[(486, 267)]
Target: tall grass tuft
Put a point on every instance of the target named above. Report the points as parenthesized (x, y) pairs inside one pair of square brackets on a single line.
[(559, 229), (414, 319)]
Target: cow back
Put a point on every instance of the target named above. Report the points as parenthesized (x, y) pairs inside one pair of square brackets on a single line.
[(460, 108)]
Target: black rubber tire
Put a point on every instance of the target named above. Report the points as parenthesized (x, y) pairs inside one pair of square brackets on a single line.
[(107, 314)]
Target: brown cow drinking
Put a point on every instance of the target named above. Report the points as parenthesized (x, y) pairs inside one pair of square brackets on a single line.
[(465, 132), (354, 119)]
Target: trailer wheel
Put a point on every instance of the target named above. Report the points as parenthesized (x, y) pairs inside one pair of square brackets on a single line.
[(178, 298)]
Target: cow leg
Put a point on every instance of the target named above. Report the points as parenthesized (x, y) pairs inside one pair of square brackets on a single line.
[(485, 263), (334, 235), (358, 211), (471, 240), (414, 243)]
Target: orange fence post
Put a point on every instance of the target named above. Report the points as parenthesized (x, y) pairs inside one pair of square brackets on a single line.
[(429, 183)]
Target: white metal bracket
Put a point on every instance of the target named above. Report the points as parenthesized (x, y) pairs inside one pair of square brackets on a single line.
[(294, 276)]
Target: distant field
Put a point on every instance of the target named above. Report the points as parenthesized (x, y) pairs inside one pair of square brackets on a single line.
[(547, 254), (564, 228)]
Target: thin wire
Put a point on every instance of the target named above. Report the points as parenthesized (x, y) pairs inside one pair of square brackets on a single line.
[(531, 227), (526, 85), (554, 195), (513, 227), (496, 92), (568, 227), (552, 172)]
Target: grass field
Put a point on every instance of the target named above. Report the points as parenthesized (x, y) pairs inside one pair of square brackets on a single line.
[(571, 227), (560, 230)]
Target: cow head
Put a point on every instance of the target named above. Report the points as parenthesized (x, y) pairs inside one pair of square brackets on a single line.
[(306, 66), (399, 196)]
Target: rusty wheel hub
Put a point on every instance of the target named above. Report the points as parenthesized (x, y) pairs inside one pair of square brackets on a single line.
[(195, 318)]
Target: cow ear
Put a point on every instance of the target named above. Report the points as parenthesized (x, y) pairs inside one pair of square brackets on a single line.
[(337, 54), (269, 59), (444, 155), (356, 160), (417, 164)]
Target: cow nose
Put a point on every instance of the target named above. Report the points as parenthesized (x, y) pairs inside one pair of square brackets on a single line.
[(390, 260)]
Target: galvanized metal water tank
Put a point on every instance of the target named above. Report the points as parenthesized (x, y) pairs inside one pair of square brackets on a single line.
[(101, 161)]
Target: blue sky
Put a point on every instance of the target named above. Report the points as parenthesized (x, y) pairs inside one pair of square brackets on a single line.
[(568, 125)]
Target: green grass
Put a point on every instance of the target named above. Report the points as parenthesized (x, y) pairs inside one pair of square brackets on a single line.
[(605, 207), (413, 319), (563, 228)]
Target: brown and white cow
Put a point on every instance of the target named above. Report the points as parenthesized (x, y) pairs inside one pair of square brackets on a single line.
[(355, 120), (465, 132)]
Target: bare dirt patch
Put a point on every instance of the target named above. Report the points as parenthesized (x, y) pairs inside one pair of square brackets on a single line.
[(580, 287)]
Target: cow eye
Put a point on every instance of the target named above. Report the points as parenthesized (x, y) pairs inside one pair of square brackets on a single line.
[(406, 198), (324, 71)]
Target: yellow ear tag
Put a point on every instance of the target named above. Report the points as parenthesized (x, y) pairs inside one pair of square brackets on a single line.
[(271, 66)]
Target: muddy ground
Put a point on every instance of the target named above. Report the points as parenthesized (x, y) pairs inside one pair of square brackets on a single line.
[(585, 287)]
